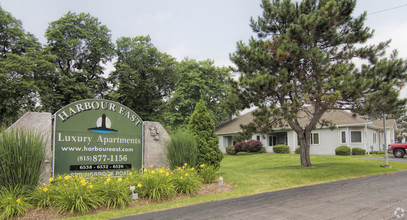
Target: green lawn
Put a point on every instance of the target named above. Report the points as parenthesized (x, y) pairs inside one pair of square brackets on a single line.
[(259, 173)]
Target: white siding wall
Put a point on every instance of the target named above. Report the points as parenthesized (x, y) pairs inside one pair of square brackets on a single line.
[(222, 144), (328, 140), (292, 140), (356, 144), (371, 133)]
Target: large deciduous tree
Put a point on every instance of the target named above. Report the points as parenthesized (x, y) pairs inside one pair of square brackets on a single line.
[(305, 54), (144, 77), (80, 45), (197, 79), (21, 60)]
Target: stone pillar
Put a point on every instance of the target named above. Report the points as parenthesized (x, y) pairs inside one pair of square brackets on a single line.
[(155, 138), (39, 123)]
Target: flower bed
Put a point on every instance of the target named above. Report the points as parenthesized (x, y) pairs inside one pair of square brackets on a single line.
[(77, 195)]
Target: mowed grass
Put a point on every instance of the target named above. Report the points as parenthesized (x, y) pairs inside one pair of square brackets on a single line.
[(252, 174), (270, 172)]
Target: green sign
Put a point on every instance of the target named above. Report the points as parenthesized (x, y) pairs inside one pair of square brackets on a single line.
[(96, 136)]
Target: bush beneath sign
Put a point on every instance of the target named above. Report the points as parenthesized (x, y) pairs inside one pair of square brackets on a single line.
[(14, 201), (80, 195), (21, 158)]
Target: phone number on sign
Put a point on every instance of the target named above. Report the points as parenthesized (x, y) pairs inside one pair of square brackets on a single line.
[(102, 158), (100, 167)]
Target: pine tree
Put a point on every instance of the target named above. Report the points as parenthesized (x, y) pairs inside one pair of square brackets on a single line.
[(202, 127), (304, 55)]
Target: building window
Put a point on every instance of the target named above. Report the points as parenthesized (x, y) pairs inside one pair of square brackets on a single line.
[(314, 138), (258, 137), (272, 140), (343, 136), (374, 138), (356, 137)]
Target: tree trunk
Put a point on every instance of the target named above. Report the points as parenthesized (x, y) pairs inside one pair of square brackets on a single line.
[(304, 134), (304, 140)]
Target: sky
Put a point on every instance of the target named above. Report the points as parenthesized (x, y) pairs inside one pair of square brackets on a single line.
[(198, 30)]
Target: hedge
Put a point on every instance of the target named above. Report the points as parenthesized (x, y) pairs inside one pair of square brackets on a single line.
[(358, 151), (342, 150), (281, 149), (262, 150), (248, 146), (377, 152)]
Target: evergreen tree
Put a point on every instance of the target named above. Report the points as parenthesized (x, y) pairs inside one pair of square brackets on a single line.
[(304, 55), (202, 127)]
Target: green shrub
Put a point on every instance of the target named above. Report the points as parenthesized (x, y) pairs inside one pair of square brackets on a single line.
[(358, 151), (181, 149), (186, 180), (281, 149), (156, 185), (230, 150), (43, 196), (262, 150), (248, 146), (202, 127), (113, 193), (21, 158), (342, 150), (14, 202), (75, 194), (207, 173), (298, 150)]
